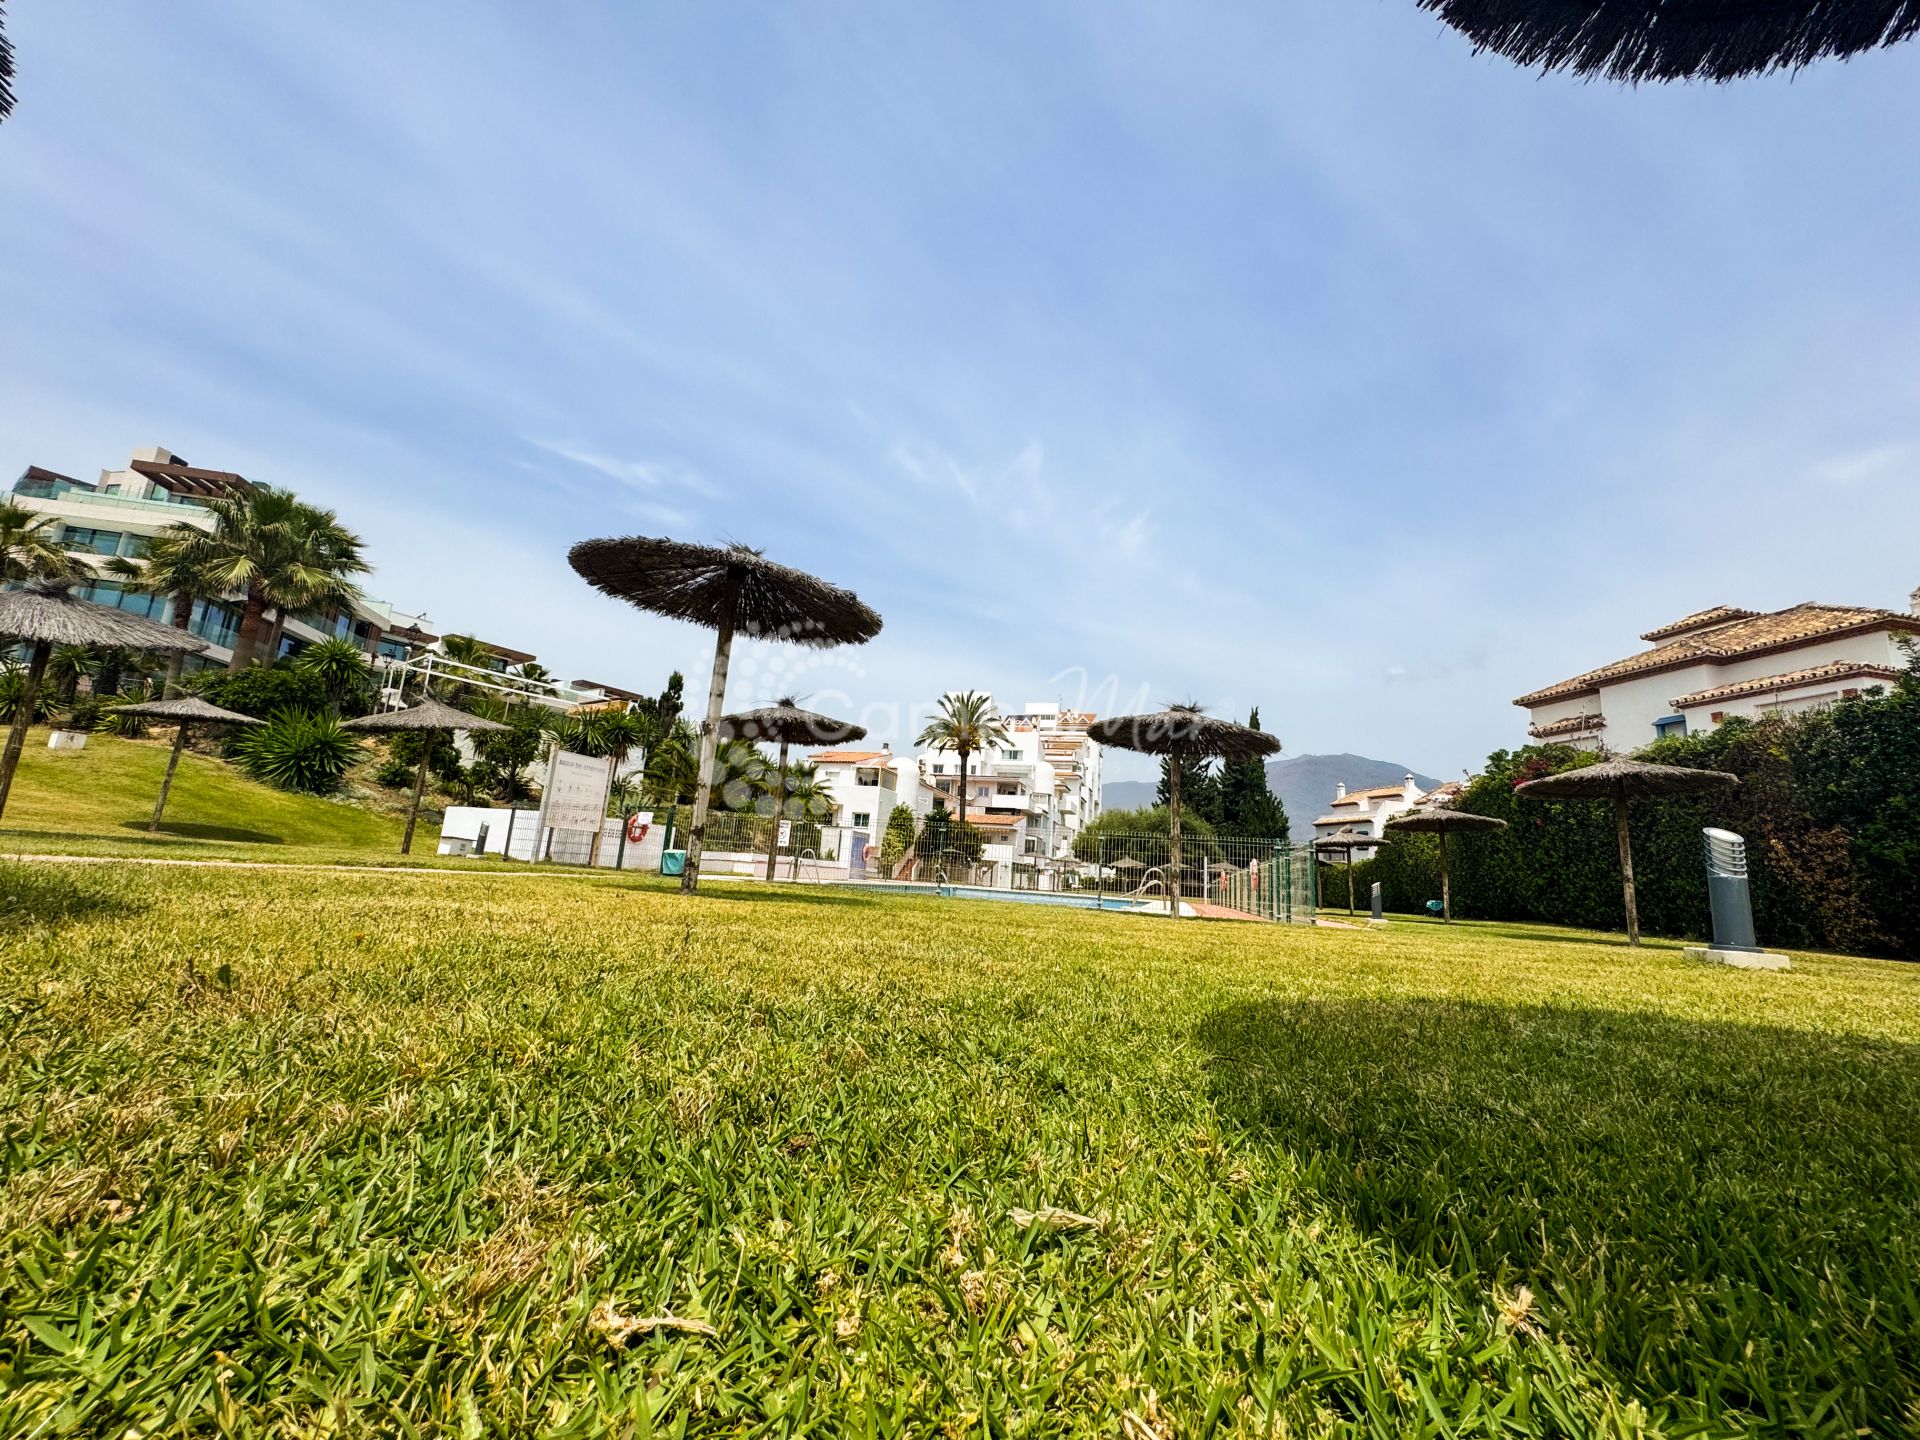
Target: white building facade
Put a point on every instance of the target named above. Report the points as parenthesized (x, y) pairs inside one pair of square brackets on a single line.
[(1366, 812), (1725, 662)]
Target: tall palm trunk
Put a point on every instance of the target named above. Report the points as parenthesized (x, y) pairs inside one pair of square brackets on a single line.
[(779, 809), (964, 756), (1175, 884), (710, 736), (252, 617), (177, 662)]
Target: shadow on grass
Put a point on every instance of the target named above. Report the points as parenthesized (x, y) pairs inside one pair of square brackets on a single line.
[(190, 830), (44, 895), (1727, 1217)]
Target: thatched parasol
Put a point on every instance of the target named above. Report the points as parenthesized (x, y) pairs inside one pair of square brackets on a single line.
[(1621, 780), (1182, 732), (1442, 822), (1348, 844), (46, 614), (1635, 40), (187, 711), (727, 588), (784, 724), (429, 714)]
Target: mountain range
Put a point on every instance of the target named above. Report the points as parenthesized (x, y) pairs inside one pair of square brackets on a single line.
[(1304, 783)]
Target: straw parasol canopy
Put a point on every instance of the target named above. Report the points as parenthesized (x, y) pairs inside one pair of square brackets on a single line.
[(784, 724), (46, 614), (1622, 780), (1443, 822), (429, 714), (1347, 844), (1182, 732), (730, 589), (1634, 40), (182, 714)]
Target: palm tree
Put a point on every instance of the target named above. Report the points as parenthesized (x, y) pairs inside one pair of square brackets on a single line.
[(806, 798), (65, 668), (171, 567), (30, 547), (462, 650), (618, 733), (967, 722), (6, 72), (533, 670), (281, 554), (339, 666)]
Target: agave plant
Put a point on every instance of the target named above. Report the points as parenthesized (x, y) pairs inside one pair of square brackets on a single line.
[(339, 666), (299, 751)]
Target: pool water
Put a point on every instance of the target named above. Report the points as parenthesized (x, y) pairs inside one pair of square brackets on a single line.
[(1018, 897)]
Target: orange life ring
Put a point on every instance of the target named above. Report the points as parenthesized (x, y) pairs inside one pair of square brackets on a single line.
[(636, 829)]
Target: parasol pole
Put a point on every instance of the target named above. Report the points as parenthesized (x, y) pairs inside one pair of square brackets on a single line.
[(710, 734), (419, 787), (166, 780), (1626, 863), (23, 717), (1173, 831), (1446, 887), (779, 809)]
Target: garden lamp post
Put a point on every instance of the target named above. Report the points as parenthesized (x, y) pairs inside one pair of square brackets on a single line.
[(728, 589), (1621, 780), (430, 716), (45, 614)]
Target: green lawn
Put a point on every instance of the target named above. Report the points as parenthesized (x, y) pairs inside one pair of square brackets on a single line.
[(365, 1153), (100, 799)]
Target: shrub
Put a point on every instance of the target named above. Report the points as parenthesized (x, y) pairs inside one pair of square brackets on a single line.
[(13, 685), (298, 750), (261, 691), (83, 715)]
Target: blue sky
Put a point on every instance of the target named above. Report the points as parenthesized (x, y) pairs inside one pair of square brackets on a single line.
[(1276, 354)]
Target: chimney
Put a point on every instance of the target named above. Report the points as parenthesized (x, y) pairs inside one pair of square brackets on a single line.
[(1339, 789), (1411, 790), (1913, 600)]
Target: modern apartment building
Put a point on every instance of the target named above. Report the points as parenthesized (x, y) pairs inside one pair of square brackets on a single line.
[(117, 514), (1033, 794)]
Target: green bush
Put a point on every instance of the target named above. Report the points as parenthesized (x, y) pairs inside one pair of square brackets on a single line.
[(261, 691), (298, 750), (13, 685), (83, 715)]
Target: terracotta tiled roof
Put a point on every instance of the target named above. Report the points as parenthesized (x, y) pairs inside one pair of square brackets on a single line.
[(1336, 820), (976, 817), (848, 757), (1441, 794), (1572, 725), (1699, 620), (1753, 635), (1353, 797), (1792, 680)]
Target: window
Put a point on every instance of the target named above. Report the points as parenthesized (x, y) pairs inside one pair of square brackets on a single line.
[(1671, 725), (1009, 754), (1009, 789), (939, 769), (862, 819), (93, 542)]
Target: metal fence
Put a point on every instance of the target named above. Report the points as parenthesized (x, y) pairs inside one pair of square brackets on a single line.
[(1253, 876)]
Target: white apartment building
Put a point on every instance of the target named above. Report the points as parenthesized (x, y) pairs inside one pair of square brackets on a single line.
[(1724, 662), (1029, 797), (1366, 812), (1040, 789), (116, 515)]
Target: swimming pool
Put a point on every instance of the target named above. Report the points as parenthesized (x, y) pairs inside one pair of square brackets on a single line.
[(1018, 897)]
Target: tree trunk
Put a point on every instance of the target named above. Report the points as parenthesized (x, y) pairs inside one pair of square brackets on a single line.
[(177, 661), (17, 737), (247, 643), (166, 780), (419, 788), (710, 738), (1626, 868), (779, 809), (965, 755), (1173, 836)]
